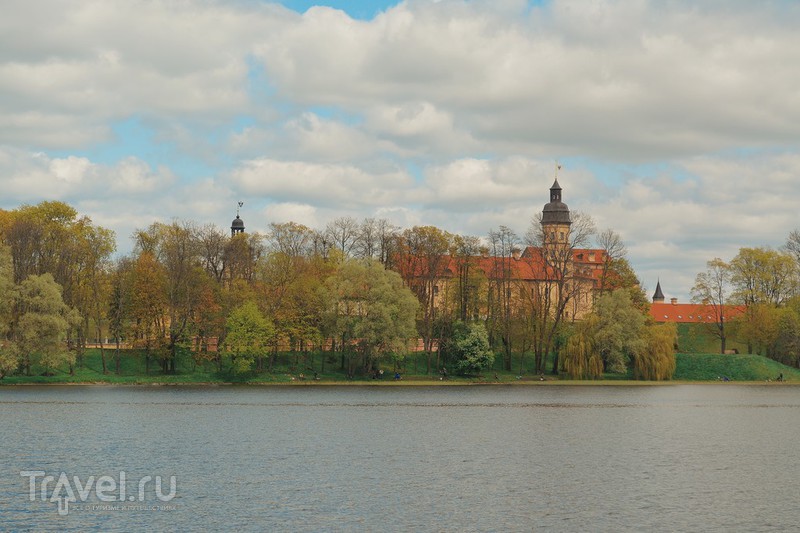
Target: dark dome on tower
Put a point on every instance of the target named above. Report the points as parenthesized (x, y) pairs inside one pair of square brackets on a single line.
[(237, 226), (556, 211)]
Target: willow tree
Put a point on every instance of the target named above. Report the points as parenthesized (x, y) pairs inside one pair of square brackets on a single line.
[(656, 362), (581, 359)]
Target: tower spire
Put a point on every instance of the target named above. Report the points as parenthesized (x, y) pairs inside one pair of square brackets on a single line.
[(658, 296)]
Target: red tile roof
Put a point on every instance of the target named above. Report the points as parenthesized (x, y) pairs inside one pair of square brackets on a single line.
[(691, 313), (530, 266)]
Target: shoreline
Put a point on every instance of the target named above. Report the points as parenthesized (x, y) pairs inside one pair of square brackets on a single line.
[(406, 383)]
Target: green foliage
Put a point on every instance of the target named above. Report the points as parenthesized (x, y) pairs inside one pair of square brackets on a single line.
[(9, 357), (43, 322), (6, 290), (369, 306), (468, 348), (249, 336), (787, 339), (618, 333), (657, 361), (762, 275), (580, 357)]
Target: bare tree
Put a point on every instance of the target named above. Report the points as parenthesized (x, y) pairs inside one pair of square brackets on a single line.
[(343, 234), (465, 248), (422, 260), (291, 239), (712, 289), (504, 243), (548, 298), (211, 244), (614, 249)]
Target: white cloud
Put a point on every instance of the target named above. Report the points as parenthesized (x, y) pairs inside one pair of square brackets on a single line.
[(344, 186), (448, 113)]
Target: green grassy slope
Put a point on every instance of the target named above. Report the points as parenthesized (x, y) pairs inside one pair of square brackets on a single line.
[(708, 367)]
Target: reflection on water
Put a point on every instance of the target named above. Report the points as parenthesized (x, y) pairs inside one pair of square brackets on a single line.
[(696, 457)]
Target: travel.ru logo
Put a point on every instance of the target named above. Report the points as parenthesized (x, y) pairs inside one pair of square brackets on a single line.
[(64, 491)]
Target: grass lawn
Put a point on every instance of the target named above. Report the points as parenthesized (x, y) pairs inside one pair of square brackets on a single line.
[(300, 369), (739, 367)]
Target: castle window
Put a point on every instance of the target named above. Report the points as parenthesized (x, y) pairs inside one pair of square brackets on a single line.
[(561, 235)]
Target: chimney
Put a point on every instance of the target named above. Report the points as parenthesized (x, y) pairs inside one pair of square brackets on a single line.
[(673, 301), (515, 253), (484, 251)]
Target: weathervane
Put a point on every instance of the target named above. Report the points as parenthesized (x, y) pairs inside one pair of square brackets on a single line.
[(237, 209), (558, 167)]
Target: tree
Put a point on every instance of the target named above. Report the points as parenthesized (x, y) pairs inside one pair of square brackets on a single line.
[(792, 246), (761, 275), (613, 251), (8, 349), (712, 288), (249, 335), (43, 323), (758, 326), (504, 244), (468, 348), (148, 305), (618, 334), (470, 279), (787, 339), (656, 362), (369, 308), (212, 242), (375, 237), (119, 304), (342, 233), (581, 359), (289, 287), (422, 260), (176, 248), (291, 239), (548, 300), (241, 256), (94, 246)]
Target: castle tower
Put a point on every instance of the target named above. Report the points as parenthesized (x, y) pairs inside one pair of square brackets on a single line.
[(237, 226), (555, 218), (658, 296)]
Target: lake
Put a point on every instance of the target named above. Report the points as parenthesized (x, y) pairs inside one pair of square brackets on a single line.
[(718, 457)]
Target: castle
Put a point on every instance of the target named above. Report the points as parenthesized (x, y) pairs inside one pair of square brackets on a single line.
[(554, 274)]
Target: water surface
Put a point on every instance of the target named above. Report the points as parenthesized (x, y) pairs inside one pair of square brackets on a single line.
[(565, 458)]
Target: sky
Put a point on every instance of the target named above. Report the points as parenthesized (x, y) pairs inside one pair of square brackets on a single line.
[(676, 124)]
